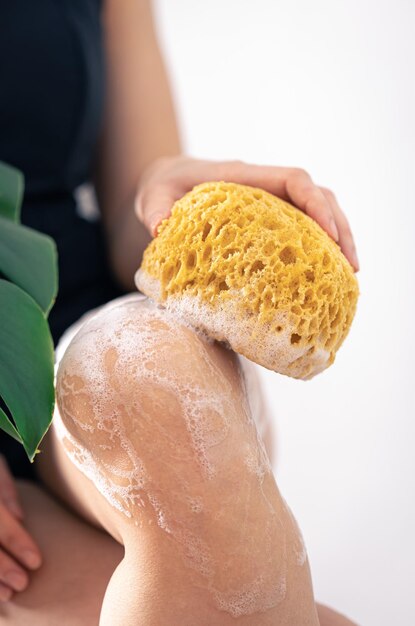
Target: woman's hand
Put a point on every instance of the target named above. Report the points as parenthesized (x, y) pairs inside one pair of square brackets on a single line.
[(18, 551), (168, 179)]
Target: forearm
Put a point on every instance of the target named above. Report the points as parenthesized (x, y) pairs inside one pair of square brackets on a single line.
[(139, 127), (126, 244)]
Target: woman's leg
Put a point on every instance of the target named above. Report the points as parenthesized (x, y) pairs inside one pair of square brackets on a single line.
[(328, 617), (78, 562), (158, 420)]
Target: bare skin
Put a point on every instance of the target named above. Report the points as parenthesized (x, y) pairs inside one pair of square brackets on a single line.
[(79, 561), (160, 562), (237, 555), (19, 553), (78, 558)]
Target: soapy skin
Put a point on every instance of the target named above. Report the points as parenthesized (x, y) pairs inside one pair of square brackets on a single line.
[(157, 418)]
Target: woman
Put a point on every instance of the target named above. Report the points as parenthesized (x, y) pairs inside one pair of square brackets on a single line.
[(85, 98)]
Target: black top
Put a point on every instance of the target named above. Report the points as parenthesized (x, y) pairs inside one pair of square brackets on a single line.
[(51, 101)]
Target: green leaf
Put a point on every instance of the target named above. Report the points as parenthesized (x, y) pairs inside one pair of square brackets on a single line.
[(26, 365), (8, 427), (29, 259), (11, 192)]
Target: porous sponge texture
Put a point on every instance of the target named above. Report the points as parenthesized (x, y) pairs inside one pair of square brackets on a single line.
[(252, 270)]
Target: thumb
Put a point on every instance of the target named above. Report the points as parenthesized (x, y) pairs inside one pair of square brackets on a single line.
[(154, 205)]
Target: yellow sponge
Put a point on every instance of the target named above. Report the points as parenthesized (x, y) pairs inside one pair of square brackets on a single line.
[(250, 269)]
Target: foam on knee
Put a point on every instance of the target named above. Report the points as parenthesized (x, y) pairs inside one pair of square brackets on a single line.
[(157, 417)]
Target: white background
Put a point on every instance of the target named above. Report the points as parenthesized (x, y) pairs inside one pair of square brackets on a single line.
[(329, 86)]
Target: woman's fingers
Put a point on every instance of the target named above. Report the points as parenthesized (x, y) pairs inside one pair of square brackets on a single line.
[(346, 240), (5, 593), (8, 492), (169, 179), (17, 549), (17, 541), (159, 188), (288, 183), (12, 575), (154, 205), (305, 195)]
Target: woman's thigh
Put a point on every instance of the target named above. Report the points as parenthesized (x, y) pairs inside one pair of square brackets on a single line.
[(78, 561)]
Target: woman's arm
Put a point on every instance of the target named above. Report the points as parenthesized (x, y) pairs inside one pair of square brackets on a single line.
[(139, 127), (141, 131)]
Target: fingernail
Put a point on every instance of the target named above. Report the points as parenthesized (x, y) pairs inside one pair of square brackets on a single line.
[(16, 580), (5, 594), (31, 558), (155, 223), (333, 230)]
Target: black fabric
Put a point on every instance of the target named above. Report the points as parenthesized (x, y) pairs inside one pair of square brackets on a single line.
[(52, 87)]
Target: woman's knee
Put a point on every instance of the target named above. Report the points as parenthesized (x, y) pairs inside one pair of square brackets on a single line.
[(159, 420), (151, 401)]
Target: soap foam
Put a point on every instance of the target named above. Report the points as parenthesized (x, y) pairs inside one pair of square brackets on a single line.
[(252, 598), (89, 348), (111, 344), (224, 322)]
